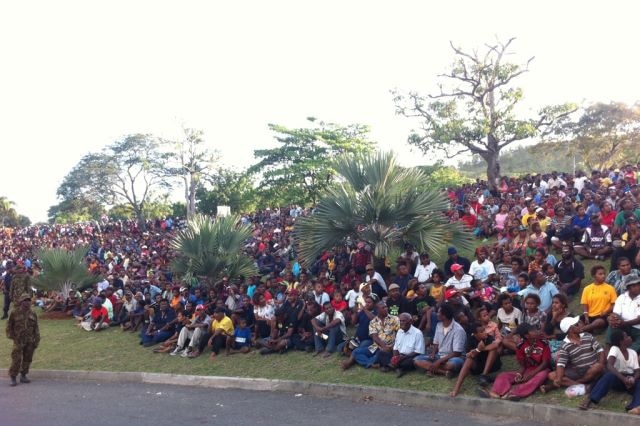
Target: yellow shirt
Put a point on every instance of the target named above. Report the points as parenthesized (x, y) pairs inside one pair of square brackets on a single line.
[(225, 324), (525, 218), (544, 223), (598, 298), (437, 292)]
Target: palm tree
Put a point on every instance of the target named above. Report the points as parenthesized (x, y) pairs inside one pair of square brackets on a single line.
[(382, 204), (212, 248), (62, 269)]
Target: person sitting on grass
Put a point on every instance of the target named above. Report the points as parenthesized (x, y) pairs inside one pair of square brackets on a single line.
[(580, 360), (553, 334), (161, 325), (169, 345), (288, 317), (192, 332), (534, 357), (482, 357), (623, 374), (329, 326), (98, 317), (597, 301), (382, 330), (240, 342), (409, 344), (509, 318), (532, 314), (362, 320), (626, 312), (216, 339), (596, 240), (449, 344)]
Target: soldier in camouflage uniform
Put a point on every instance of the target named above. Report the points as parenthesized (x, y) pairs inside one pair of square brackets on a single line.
[(20, 284), (22, 328)]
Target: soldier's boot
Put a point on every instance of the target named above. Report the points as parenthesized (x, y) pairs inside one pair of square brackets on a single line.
[(13, 381), (24, 379), (5, 316)]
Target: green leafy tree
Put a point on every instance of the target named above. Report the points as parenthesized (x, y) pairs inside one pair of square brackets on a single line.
[(474, 110), (603, 136), (191, 161), (63, 269), (157, 208), (9, 216), (212, 248), (377, 201), (299, 167), (227, 188), (75, 210), (440, 177), (129, 171)]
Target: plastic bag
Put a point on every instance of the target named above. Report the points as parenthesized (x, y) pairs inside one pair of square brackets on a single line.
[(575, 390)]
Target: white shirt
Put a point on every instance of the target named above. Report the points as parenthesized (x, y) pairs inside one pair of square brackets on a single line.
[(481, 271), (377, 277), (352, 297), (323, 317), (460, 284), (625, 366), (627, 308), (409, 341), (423, 273), (578, 183)]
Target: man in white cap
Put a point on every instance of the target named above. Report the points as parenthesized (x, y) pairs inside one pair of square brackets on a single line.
[(580, 360)]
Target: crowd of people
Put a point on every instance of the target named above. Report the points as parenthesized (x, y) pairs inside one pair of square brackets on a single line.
[(458, 319)]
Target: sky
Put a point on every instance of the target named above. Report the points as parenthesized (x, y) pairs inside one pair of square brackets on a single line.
[(78, 75)]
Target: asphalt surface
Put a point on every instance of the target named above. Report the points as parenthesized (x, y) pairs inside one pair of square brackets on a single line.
[(82, 403)]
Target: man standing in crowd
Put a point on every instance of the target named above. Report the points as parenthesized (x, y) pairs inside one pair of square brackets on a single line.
[(22, 328)]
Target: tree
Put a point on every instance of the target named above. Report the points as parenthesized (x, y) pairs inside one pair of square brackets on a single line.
[(227, 188), (440, 177), (9, 216), (212, 248), (75, 210), (382, 204), (603, 136), (297, 169), (474, 110), (61, 269), (129, 171), (191, 160)]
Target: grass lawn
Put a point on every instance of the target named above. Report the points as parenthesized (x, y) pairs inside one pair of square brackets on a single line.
[(66, 347)]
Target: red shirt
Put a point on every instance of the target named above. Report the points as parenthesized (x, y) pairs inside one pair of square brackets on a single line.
[(608, 219), (339, 306), (102, 312)]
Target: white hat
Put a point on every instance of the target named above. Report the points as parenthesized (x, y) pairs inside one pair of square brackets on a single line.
[(567, 323)]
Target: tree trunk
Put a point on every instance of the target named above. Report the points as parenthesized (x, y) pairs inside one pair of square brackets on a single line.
[(493, 170), (191, 202)]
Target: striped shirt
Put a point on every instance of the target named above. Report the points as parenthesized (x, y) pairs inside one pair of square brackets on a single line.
[(581, 355)]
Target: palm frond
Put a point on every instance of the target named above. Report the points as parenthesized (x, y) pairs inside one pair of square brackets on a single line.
[(381, 203), (212, 248), (61, 268)]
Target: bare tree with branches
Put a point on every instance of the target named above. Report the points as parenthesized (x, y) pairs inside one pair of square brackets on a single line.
[(474, 108)]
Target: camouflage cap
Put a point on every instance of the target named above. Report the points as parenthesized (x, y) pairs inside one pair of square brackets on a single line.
[(25, 296)]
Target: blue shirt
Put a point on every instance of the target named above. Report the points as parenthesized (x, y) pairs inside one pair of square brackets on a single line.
[(242, 333), (545, 292), (362, 330)]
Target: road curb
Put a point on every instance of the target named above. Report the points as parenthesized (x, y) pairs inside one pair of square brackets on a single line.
[(520, 410)]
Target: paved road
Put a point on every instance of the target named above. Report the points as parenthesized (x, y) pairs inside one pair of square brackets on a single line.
[(71, 403)]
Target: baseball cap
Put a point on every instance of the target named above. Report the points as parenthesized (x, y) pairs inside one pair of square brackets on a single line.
[(293, 292), (25, 296), (456, 267), (200, 308), (363, 285), (451, 250), (393, 286), (567, 323)]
